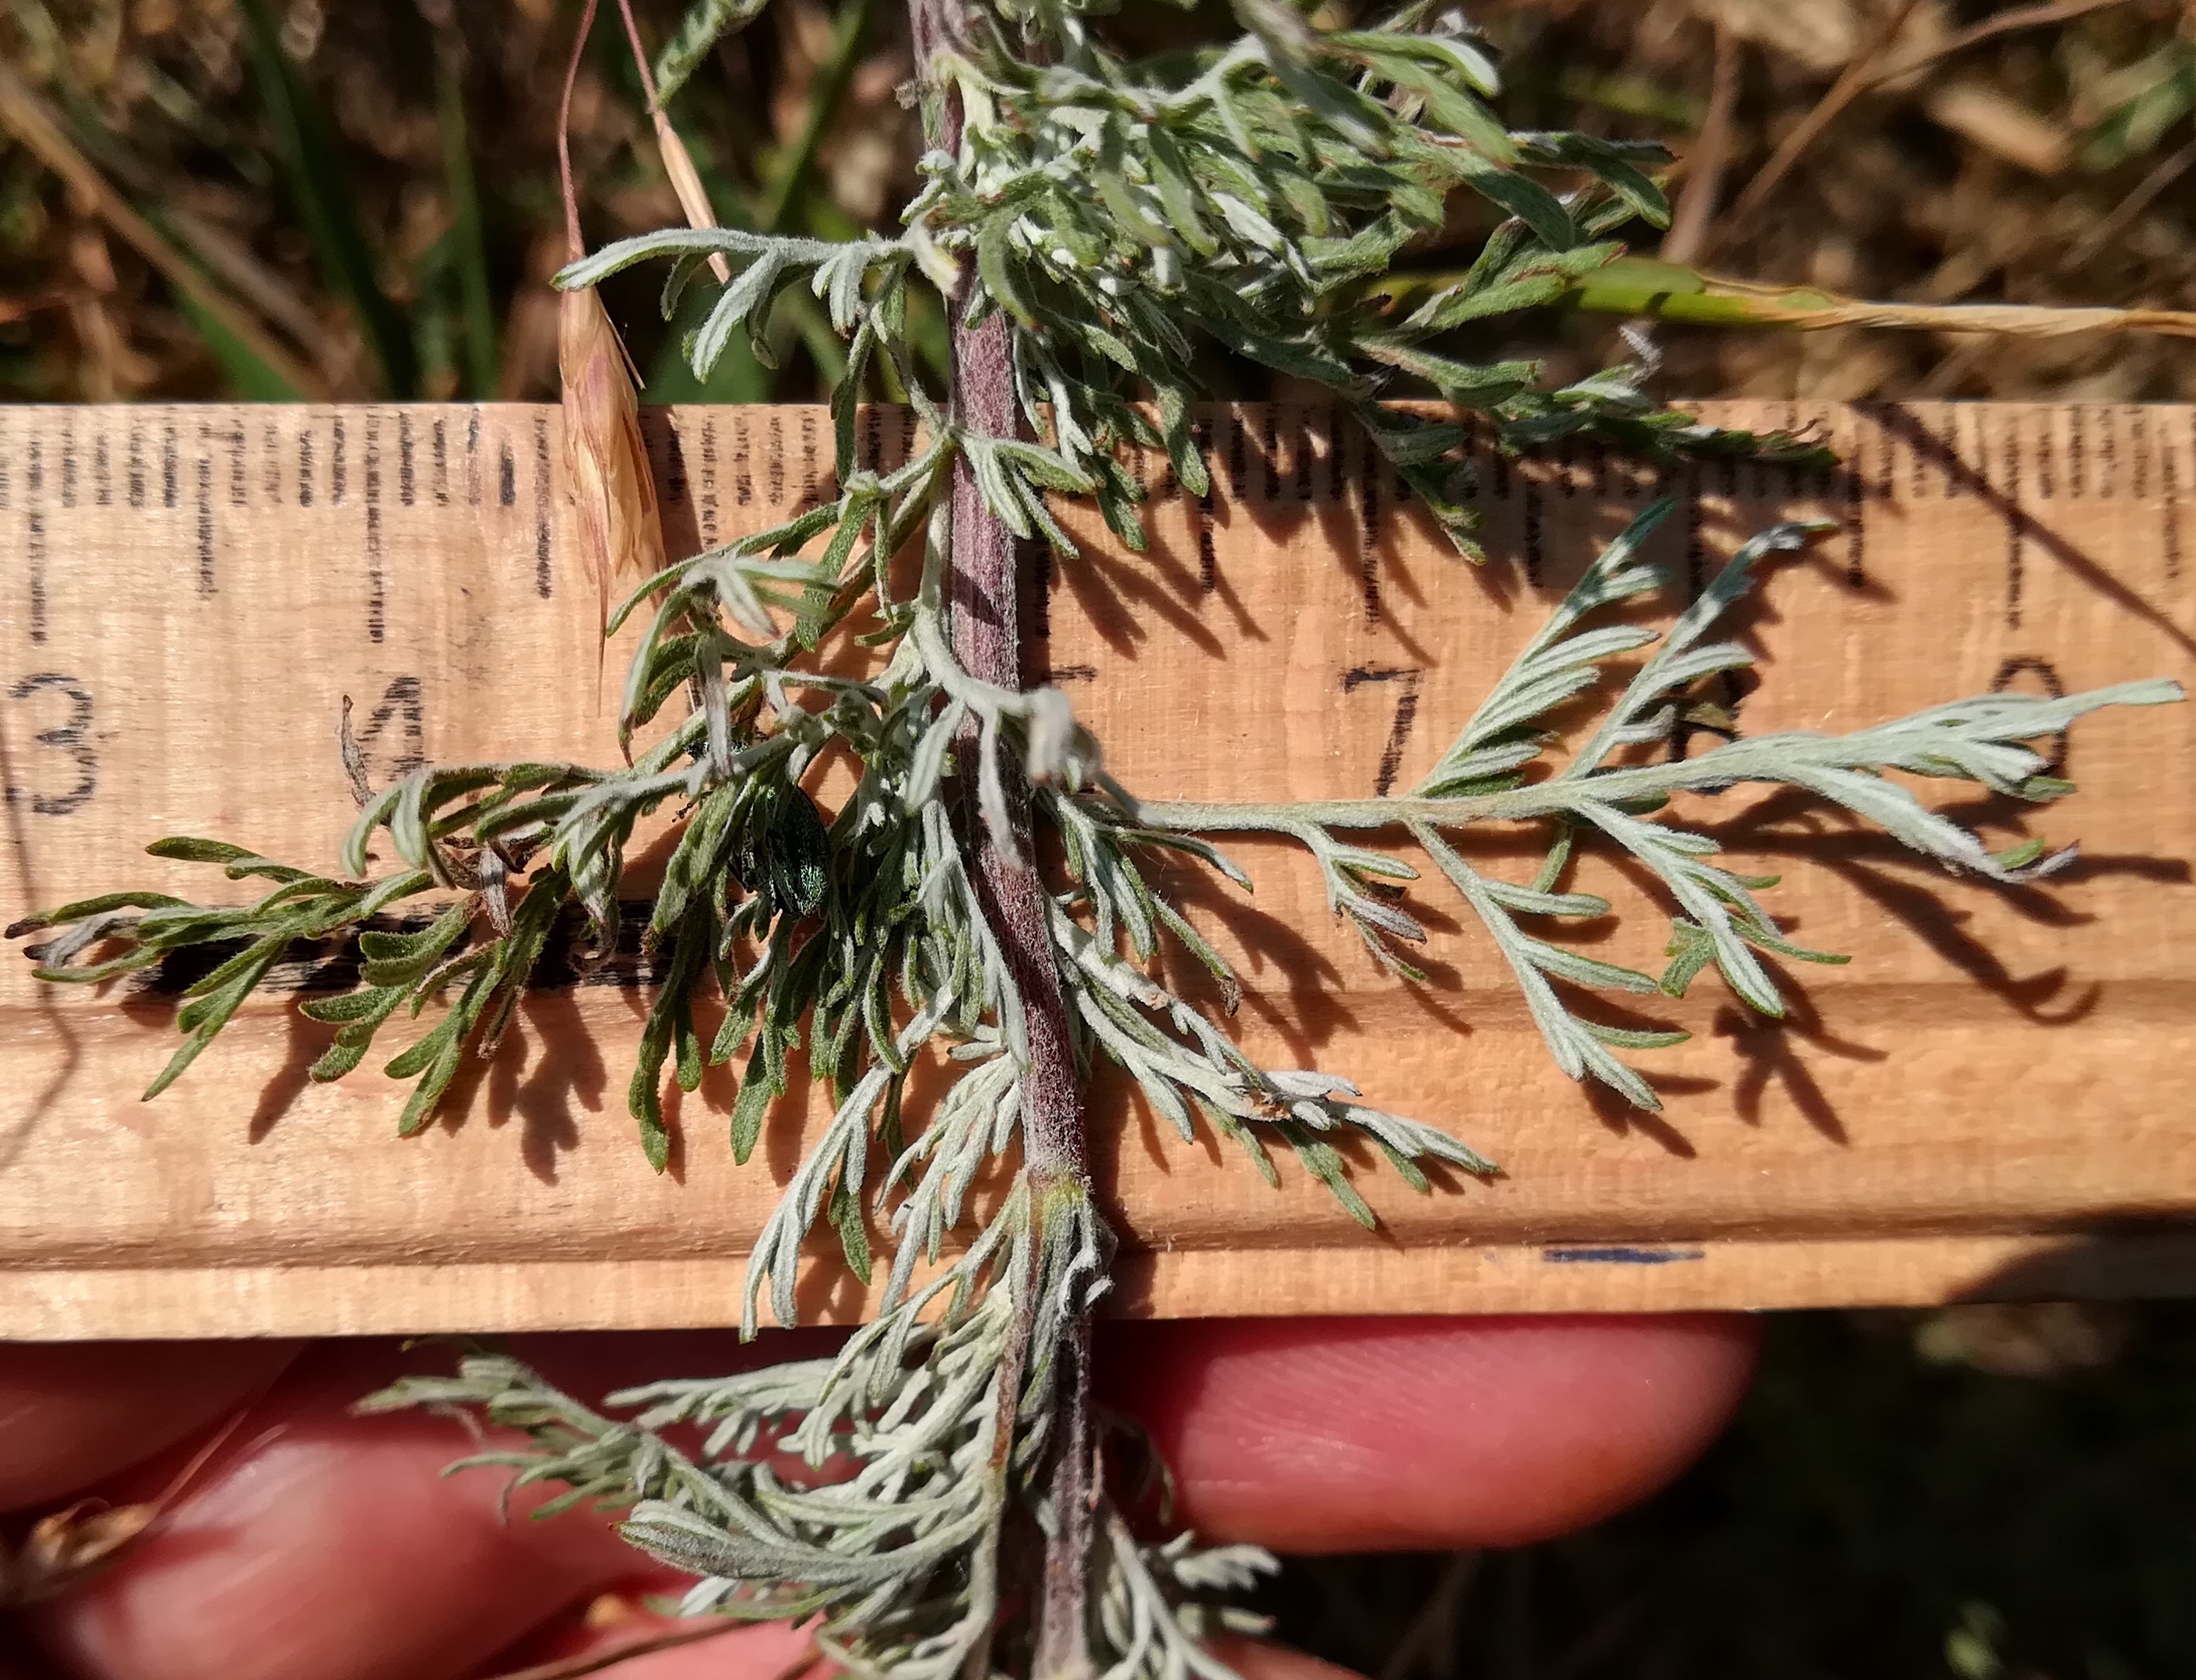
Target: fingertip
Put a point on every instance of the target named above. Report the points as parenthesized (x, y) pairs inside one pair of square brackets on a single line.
[(75, 1413), (1366, 1434), (662, 1648)]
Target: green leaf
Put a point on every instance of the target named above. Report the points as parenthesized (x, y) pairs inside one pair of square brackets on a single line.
[(800, 854), (845, 1213), (753, 1103), (705, 23)]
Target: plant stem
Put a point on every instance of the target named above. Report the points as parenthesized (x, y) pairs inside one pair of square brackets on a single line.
[(986, 627)]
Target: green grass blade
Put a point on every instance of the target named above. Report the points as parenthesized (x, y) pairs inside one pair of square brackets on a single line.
[(468, 238), (248, 374), (305, 143)]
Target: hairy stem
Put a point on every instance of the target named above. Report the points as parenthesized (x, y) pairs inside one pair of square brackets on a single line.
[(986, 625)]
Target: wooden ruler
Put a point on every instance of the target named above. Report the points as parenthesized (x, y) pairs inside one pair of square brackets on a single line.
[(1994, 1099)]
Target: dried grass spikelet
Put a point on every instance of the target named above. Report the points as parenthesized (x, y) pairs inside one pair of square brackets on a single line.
[(606, 472)]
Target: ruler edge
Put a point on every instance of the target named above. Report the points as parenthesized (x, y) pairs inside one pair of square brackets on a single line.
[(207, 1302), (1786, 1272)]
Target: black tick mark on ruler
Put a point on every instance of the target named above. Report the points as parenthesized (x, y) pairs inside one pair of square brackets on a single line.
[(203, 509), (675, 466), (812, 491), (240, 482), (541, 578), (708, 501), (1534, 533), (35, 554), (1368, 530), (1208, 556), (1856, 487), (2169, 525), (377, 604), (2016, 526)]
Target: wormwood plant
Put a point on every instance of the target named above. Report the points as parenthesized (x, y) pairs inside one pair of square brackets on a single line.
[(930, 1494)]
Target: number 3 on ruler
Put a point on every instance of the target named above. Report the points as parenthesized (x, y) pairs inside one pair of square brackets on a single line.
[(72, 737)]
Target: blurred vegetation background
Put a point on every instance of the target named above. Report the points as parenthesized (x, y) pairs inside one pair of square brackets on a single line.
[(276, 198)]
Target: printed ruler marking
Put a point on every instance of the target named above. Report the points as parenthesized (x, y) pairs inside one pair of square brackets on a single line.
[(2012, 464), (2016, 526), (542, 528), (2170, 514), (1854, 474), (709, 536), (1368, 540), (376, 580)]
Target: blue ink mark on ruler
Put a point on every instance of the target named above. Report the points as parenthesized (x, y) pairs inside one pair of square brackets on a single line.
[(1620, 1256)]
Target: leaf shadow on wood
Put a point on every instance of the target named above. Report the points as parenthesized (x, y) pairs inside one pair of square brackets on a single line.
[(1920, 895), (2024, 529), (20, 1134), (306, 1041)]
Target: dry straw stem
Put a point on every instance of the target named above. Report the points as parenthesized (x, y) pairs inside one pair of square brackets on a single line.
[(1856, 80), (1671, 291), (678, 162), (1705, 163), (1990, 29), (27, 116)]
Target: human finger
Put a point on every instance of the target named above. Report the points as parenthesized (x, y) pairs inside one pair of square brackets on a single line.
[(75, 1413), (1367, 1434)]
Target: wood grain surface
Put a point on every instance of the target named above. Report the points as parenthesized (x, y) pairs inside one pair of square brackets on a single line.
[(1993, 1099)]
